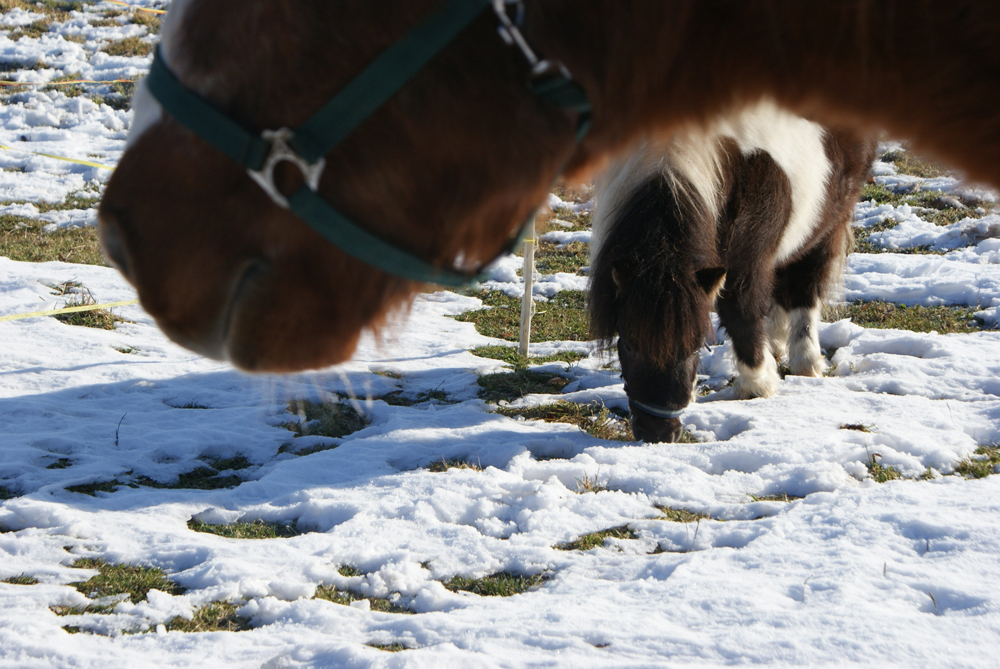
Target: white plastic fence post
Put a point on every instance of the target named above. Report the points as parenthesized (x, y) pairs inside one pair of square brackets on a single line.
[(529, 280)]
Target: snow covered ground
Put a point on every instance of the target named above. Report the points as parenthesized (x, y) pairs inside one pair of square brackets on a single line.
[(904, 573)]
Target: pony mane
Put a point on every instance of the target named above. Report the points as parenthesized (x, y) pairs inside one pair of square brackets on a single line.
[(643, 278)]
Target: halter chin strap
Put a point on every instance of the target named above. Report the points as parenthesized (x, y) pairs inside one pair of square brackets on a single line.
[(307, 145), (657, 411)]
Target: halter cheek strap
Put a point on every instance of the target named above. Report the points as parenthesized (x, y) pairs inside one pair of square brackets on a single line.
[(307, 145)]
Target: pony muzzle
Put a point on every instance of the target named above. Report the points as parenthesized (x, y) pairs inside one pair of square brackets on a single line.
[(663, 426)]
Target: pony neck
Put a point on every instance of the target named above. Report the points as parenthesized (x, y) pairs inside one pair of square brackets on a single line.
[(651, 67)]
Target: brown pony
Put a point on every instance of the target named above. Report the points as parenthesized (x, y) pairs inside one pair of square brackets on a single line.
[(463, 153)]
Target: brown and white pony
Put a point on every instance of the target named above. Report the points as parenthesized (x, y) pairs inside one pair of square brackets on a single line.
[(751, 214), (463, 153)]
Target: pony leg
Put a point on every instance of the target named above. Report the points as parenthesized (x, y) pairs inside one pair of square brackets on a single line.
[(760, 205), (777, 329), (798, 291), (805, 358), (743, 308), (761, 381)]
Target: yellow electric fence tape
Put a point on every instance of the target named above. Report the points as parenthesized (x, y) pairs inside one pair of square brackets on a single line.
[(68, 310), (66, 83), (64, 158)]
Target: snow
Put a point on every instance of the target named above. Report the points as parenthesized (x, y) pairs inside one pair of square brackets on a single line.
[(905, 573)]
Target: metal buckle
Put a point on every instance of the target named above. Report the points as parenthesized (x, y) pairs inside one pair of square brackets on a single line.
[(280, 151)]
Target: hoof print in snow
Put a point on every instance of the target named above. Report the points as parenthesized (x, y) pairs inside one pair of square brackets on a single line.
[(333, 420)]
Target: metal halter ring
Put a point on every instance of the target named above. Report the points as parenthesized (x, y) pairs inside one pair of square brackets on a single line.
[(280, 151)]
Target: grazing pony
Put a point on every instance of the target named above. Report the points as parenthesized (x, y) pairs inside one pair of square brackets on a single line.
[(451, 163), (752, 214)]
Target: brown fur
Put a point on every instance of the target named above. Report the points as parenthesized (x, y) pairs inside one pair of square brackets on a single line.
[(456, 160)]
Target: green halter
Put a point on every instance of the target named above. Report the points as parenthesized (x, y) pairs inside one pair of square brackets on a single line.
[(359, 99)]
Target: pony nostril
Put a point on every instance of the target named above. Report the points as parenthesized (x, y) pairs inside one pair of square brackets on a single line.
[(111, 242)]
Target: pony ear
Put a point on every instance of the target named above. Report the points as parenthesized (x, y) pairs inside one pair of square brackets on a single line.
[(710, 279), (618, 282)]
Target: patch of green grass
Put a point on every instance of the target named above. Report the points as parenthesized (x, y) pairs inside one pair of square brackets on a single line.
[(93, 488), (73, 202), (778, 497), (597, 539), (577, 220), (130, 46), (117, 579), (592, 484), (224, 464), (981, 464), (213, 617), (397, 399), (879, 472), (879, 314), (562, 318), (673, 515), (512, 356), (863, 243), (348, 571), (22, 579), (907, 163), (61, 463), (47, 7), (33, 30), (443, 465), (595, 419), (924, 199), (70, 91), (552, 258), (23, 239), (257, 529), (6, 493), (393, 647), (509, 386), (324, 420), (200, 478), (331, 594), (501, 584), (151, 21), (858, 427), (127, 350), (119, 95), (315, 448), (101, 319)]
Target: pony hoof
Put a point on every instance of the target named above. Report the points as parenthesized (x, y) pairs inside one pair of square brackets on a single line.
[(815, 368), (756, 382)]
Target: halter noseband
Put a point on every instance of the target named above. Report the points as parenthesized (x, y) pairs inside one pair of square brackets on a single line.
[(658, 412), (307, 145)]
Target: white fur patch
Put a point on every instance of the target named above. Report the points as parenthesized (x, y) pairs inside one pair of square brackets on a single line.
[(146, 111), (796, 145), (760, 381), (805, 358), (777, 330), (615, 186)]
